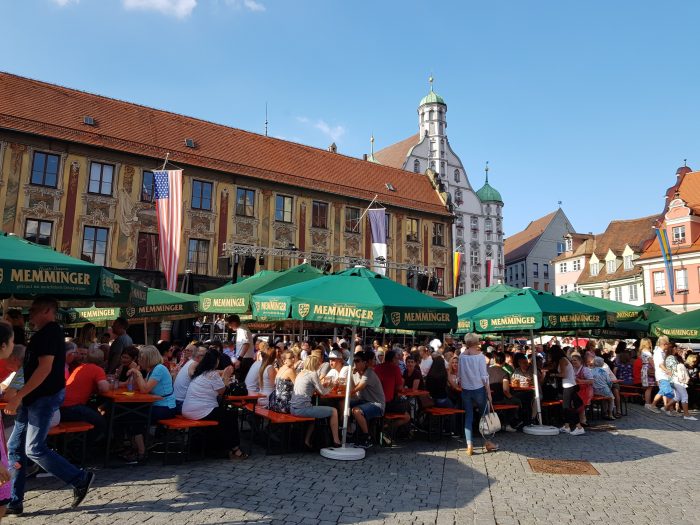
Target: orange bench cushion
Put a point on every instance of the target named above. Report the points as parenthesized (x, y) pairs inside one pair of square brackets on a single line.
[(505, 407), (179, 423), (553, 403), (279, 417), (71, 427), (437, 411)]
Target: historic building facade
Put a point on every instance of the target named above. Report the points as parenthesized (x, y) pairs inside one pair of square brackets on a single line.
[(76, 173), (478, 226)]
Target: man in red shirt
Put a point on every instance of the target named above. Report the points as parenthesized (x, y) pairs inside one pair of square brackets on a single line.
[(390, 376), (85, 381)]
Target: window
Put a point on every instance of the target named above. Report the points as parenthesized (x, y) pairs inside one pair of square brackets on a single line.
[(440, 276), (197, 256), (432, 165), (627, 262), (474, 257), (319, 215), (595, 268), (611, 266), (38, 232), (387, 224), (560, 247), (545, 268), (475, 223), (438, 234), (283, 208), (489, 252), (536, 285), (457, 176), (546, 287), (459, 199), (412, 234), (576, 265), (147, 186), (245, 202), (679, 234), (45, 169), (475, 286), (563, 289), (147, 253), (618, 293), (681, 280), (563, 268), (535, 269), (569, 244), (460, 288), (659, 283), (416, 166), (633, 292), (352, 220), (95, 245), (510, 273), (201, 195), (488, 225), (101, 178)]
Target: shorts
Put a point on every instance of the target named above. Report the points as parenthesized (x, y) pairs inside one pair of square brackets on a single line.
[(681, 392), (665, 388), (369, 410), (316, 412)]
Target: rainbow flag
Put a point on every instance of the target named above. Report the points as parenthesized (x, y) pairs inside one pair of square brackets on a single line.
[(662, 236), (456, 268)]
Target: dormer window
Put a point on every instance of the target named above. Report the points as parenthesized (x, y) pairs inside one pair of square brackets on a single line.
[(612, 266), (416, 166), (678, 234), (595, 268), (627, 261), (569, 244)]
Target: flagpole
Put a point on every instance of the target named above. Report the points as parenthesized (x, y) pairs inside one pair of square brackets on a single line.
[(165, 162)]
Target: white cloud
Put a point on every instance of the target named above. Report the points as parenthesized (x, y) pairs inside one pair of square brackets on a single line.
[(250, 5), (334, 133), (176, 8), (64, 3)]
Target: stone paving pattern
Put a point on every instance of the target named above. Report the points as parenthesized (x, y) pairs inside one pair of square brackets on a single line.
[(648, 475)]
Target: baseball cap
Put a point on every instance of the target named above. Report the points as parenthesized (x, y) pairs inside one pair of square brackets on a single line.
[(334, 354)]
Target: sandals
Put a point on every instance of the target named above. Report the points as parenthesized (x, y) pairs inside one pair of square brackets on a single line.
[(491, 448), (237, 453)]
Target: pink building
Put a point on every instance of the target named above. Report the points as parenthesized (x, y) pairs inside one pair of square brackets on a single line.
[(568, 266)]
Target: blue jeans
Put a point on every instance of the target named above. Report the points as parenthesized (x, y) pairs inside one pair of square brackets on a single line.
[(87, 414), (469, 399), (28, 440)]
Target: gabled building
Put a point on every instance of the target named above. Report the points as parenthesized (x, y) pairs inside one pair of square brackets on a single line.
[(569, 266), (611, 271), (681, 221), (529, 253), (477, 231)]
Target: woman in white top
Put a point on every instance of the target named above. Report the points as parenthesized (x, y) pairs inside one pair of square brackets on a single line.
[(572, 402), (267, 373), (474, 380), (202, 402)]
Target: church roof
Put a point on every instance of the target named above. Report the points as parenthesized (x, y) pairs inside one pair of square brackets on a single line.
[(395, 155), (488, 193), (432, 98)]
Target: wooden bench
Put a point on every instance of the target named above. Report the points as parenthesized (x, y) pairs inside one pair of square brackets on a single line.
[(73, 431), (189, 428), (440, 415), (624, 400), (277, 419), (388, 417)]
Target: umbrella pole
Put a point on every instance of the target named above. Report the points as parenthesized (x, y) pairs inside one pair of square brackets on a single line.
[(145, 332), (538, 429)]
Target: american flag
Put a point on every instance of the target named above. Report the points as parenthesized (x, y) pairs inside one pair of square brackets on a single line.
[(168, 197)]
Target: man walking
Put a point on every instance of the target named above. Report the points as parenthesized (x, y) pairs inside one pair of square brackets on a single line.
[(42, 394)]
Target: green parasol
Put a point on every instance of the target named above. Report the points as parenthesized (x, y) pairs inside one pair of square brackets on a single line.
[(471, 301), (163, 305), (619, 312), (682, 326), (28, 270), (651, 313), (234, 298), (74, 317), (356, 297)]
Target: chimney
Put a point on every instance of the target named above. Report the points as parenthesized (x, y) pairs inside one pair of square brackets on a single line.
[(333, 148), (364, 156)]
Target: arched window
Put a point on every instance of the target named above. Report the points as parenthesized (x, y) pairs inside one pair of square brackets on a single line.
[(431, 115), (456, 175), (489, 251), (416, 166), (432, 164)]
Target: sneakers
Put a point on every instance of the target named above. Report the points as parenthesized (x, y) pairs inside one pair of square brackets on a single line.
[(565, 430), (14, 511), (669, 413), (510, 429), (364, 443), (687, 418), (578, 431), (652, 408), (80, 492)]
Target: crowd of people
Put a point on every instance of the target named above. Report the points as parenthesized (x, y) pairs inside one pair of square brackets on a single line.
[(53, 378)]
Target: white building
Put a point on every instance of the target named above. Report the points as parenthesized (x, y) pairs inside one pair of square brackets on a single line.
[(478, 225)]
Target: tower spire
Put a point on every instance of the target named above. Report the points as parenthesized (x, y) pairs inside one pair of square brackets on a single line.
[(371, 144), (430, 80), (266, 119), (486, 169)]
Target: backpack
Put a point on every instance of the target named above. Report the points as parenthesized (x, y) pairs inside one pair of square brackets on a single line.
[(680, 374)]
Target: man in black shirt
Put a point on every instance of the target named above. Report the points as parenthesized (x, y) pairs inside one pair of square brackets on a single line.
[(35, 403)]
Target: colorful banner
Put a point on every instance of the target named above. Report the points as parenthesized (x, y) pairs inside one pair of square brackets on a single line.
[(662, 236), (377, 224), (456, 271), (489, 272)]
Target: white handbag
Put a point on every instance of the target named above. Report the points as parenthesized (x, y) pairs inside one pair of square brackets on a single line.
[(490, 422)]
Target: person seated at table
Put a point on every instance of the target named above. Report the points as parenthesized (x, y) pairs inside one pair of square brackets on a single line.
[(412, 377), (369, 402), (624, 371), (202, 402), (436, 383), (426, 359), (379, 354), (184, 377), (306, 383), (157, 382), (454, 390), (266, 374), (522, 384), (130, 354), (338, 368), (522, 374), (389, 375), (284, 384), (499, 382), (85, 381), (602, 386), (252, 378), (183, 358)]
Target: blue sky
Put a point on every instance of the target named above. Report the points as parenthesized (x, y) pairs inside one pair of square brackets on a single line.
[(594, 104)]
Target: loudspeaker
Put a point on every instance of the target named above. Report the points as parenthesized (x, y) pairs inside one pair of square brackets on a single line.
[(422, 282), (248, 266)]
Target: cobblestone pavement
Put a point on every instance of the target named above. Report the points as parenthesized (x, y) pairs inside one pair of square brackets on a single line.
[(416, 483)]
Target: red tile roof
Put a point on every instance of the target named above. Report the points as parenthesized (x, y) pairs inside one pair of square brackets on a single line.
[(395, 155), (49, 110), (582, 244), (518, 245)]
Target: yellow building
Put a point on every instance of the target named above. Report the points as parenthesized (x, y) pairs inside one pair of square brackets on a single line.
[(76, 173)]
